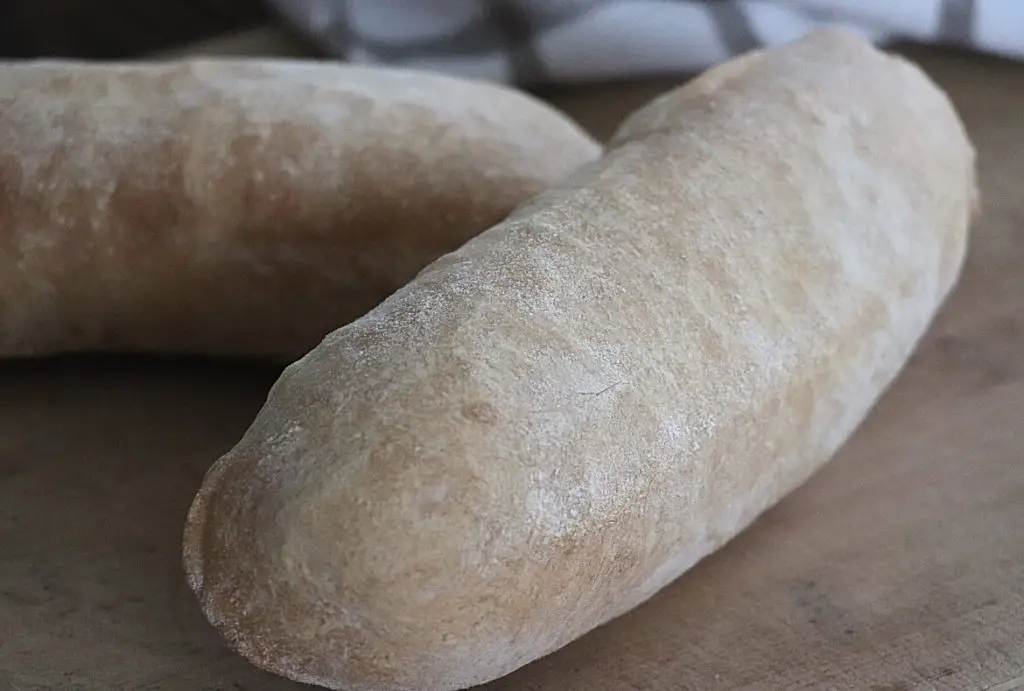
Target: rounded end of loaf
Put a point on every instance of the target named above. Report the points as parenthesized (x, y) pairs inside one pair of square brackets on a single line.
[(828, 74), (318, 568), (225, 570), (357, 629)]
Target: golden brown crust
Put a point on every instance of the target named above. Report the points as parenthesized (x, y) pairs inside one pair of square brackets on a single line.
[(553, 422), (238, 207)]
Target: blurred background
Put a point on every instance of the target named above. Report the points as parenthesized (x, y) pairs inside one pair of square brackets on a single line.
[(527, 42), (117, 29)]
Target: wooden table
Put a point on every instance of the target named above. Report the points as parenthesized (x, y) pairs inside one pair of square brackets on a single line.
[(899, 567)]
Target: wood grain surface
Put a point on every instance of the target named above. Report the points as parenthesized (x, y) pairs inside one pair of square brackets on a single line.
[(900, 567)]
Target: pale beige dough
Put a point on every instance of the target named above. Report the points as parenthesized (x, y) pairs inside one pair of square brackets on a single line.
[(553, 422), (245, 207)]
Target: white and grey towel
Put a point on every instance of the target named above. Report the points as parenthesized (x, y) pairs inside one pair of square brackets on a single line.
[(552, 41)]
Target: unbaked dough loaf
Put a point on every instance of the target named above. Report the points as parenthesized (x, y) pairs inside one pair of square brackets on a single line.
[(552, 423), (244, 207)]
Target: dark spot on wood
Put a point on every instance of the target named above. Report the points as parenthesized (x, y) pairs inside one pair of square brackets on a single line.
[(193, 649), (8, 472), (1008, 327), (898, 686), (988, 355), (23, 597), (481, 412), (822, 612)]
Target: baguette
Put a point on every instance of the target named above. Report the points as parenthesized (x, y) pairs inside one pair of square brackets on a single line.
[(235, 207), (555, 421)]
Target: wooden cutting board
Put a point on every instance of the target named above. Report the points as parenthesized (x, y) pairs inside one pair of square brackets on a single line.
[(899, 567)]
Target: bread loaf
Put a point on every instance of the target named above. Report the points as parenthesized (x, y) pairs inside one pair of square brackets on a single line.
[(240, 207), (553, 422)]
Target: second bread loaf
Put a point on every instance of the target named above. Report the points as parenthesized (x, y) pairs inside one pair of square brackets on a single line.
[(239, 207)]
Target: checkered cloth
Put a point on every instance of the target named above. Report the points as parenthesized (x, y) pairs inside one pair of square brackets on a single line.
[(556, 41)]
